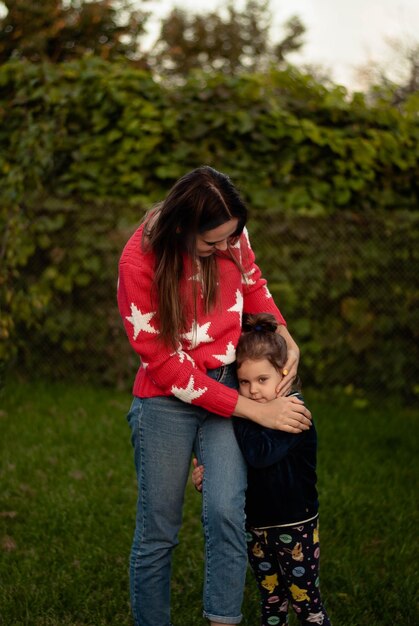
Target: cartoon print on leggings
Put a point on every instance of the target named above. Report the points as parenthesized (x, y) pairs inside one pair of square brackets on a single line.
[(288, 566)]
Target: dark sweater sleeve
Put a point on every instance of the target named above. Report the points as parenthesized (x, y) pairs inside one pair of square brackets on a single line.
[(262, 447)]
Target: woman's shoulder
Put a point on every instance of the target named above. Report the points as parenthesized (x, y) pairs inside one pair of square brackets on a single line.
[(135, 252)]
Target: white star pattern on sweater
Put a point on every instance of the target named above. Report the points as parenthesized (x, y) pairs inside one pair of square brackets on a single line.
[(237, 246), (238, 306), (140, 321), (198, 279), (229, 355), (208, 335), (246, 278), (188, 393), (198, 276), (198, 334), (267, 292), (183, 355)]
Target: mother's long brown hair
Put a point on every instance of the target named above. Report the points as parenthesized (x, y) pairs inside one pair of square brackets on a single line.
[(201, 200)]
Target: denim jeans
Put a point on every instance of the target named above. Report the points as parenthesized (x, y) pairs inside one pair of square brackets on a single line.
[(165, 432)]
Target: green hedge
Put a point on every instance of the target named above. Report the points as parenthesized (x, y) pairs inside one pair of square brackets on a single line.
[(349, 284), (332, 184)]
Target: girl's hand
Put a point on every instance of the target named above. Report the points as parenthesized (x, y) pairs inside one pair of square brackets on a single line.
[(197, 475), (289, 372)]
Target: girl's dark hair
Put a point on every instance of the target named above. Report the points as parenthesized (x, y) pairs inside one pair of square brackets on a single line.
[(201, 200), (260, 340)]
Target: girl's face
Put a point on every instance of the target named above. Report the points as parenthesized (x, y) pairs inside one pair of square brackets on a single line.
[(210, 241), (258, 380)]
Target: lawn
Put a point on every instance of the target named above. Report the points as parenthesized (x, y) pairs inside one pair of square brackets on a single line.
[(67, 500)]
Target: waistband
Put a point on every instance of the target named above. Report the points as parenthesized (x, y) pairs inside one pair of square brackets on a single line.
[(219, 373)]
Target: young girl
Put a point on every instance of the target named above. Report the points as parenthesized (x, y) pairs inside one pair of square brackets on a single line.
[(281, 498), (185, 278)]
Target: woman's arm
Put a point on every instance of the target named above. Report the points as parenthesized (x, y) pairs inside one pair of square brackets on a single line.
[(173, 371), (256, 295), (258, 299)]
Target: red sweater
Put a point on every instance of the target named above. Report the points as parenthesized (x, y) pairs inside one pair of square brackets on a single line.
[(210, 341)]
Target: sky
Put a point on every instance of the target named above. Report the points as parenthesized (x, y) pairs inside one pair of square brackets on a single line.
[(342, 35)]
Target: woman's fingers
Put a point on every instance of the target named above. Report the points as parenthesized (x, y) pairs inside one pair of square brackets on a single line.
[(289, 372), (287, 379), (295, 424), (296, 416), (302, 414), (292, 429)]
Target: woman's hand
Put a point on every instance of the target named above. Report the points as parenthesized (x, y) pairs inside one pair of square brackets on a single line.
[(285, 413), (289, 372)]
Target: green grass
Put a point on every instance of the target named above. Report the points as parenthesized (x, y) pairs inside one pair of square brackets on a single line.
[(67, 501)]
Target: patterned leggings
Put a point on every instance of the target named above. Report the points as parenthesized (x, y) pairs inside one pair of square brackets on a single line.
[(285, 562)]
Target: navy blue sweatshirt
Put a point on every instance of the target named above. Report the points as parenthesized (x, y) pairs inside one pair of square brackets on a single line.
[(281, 476)]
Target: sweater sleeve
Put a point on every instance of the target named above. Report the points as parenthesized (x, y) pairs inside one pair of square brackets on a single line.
[(172, 371), (262, 447), (256, 295)]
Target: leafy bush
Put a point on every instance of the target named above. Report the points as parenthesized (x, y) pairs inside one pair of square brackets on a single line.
[(86, 146), (349, 286)]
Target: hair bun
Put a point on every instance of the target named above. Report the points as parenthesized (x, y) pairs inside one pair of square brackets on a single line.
[(259, 323)]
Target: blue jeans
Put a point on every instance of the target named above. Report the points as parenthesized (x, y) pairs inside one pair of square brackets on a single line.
[(165, 432)]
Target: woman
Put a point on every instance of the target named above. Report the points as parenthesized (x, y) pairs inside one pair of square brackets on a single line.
[(185, 278)]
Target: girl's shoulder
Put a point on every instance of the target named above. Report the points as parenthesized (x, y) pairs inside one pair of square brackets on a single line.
[(295, 393)]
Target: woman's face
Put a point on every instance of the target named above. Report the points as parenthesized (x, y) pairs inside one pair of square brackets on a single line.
[(258, 380), (210, 241)]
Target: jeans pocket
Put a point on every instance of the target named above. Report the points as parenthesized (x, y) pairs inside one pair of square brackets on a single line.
[(134, 414)]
